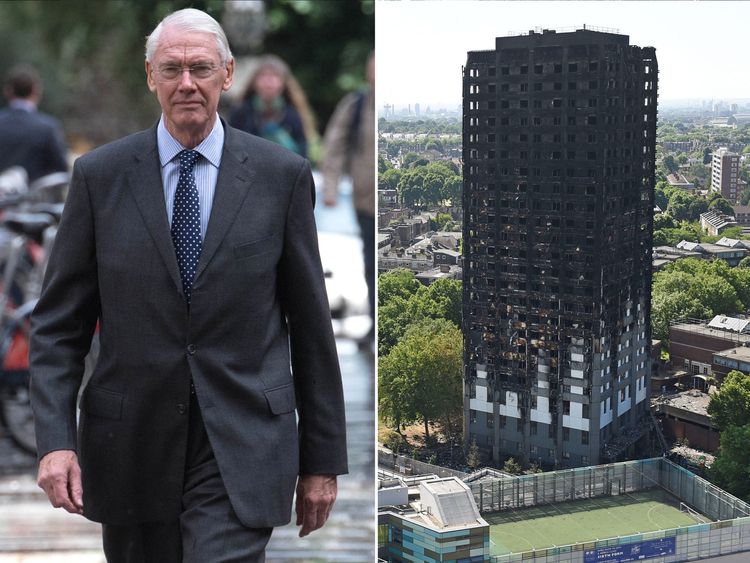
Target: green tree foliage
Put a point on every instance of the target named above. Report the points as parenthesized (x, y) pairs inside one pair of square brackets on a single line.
[(684, 231), (440, 221), (440, 126), (697, 206), (474, 456), (389, 179), (730, 406), (322, 39), (397, 283), (663, 221), (434, 145), (697, 289), (383, 165), (512, 466), (679, 205), (731, 469), (661, 194), (671, 164), (722, 205), (402, 300), (712, 282), (730, 412), (91, 58), (707, 156), (394, 441), (420, 380), (409, 159), (666, 307), (434, 183), (744, 263)]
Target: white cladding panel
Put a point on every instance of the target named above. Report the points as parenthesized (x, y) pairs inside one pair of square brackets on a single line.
[(510, 408), (541, 412), (575, 418)]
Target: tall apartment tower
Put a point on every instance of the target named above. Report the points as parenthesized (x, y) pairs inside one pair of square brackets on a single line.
[(725, 174), (559, 136)]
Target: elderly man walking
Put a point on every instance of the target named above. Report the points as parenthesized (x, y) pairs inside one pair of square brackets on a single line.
[(217, 387)]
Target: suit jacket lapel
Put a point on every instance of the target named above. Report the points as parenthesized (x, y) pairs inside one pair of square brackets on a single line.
[(232, 187), (147, 189)]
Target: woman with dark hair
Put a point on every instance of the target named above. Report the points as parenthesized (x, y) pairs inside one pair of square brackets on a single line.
[(275, 107)]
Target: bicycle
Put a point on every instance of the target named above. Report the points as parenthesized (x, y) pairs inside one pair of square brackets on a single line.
[(30, 231)]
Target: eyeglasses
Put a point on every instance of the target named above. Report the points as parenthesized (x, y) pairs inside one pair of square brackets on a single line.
[(169, 73)]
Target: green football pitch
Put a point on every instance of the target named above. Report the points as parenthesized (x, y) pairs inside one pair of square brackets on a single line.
[(548, 525)]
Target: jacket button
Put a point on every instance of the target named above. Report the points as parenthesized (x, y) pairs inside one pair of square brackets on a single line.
[(191, 349), (182, 409)]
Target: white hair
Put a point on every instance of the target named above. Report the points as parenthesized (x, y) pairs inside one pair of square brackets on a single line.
[(190, 20)]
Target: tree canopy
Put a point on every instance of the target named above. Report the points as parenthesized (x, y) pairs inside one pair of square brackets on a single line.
[(433, 183), (91, 58), (730, 405), (401, 303), (731, 468), (420, 380), (729, 408), (698, 289)]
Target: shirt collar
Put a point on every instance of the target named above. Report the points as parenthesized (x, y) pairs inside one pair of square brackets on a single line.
[(210, 148), (20, 103)]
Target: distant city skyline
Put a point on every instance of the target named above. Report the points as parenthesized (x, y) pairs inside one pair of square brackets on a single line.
[(421, 46)]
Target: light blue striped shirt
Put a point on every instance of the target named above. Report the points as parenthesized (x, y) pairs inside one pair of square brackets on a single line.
[(206, 169)]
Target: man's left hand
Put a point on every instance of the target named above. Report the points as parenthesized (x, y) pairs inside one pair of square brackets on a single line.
[(315, 497)]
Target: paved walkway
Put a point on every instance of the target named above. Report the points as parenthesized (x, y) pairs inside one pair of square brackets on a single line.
[(32, 532)]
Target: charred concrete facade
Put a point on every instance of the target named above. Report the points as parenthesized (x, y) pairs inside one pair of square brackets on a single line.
[(558, 137)]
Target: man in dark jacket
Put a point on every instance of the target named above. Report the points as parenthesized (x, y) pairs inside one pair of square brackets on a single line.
[(29, 138)]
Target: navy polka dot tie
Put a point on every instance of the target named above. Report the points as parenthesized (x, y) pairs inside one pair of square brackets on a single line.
[(186, 221)]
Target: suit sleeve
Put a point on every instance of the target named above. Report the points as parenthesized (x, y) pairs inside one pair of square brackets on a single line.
[(63, 323), (315, 367)]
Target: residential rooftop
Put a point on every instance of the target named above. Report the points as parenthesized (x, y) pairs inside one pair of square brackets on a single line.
[(692, 401)]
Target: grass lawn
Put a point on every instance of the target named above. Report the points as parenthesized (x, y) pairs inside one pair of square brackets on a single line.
[(539, 527)]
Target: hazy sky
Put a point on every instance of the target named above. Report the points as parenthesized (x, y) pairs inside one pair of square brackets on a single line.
[(703, 48)]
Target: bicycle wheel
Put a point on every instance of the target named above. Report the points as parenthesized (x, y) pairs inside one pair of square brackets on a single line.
[(18, 418), (15, 406)]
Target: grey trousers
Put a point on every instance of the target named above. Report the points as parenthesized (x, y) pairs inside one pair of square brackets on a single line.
[(207, 531)]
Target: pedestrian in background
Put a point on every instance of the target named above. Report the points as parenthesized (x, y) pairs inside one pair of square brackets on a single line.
[(350, 149), (217, 386), (275, 107), (28, 137)]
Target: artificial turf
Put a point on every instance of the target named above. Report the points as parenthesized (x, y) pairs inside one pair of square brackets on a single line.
[(549, 525)]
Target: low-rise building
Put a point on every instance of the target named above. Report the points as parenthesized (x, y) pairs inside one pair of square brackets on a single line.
[(734, 243), (387, 198), (737, 358), (731, 256), (714, 222), (693, 343), (409, 230), (684, 416), (442, 524), (677, 180), (441, 272), (663, 255)]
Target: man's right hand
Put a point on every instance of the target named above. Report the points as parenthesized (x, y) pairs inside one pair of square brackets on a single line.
[(60, 477)]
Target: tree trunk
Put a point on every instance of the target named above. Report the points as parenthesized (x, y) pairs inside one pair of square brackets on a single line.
[(426, 429)]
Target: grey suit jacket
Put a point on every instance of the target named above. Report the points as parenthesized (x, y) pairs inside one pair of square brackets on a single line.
[(258, 305)]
